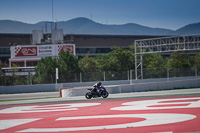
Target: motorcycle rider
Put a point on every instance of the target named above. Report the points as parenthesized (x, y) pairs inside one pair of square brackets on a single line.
[(97, 86)]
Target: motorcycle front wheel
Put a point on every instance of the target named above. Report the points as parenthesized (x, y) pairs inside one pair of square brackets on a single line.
[(88, 95), (105, 94)]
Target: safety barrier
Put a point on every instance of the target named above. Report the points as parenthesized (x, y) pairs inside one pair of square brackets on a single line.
[(137, 87), (125, 83)]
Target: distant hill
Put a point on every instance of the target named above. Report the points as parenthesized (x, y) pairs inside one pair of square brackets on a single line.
[(189, 29), (87, 26)]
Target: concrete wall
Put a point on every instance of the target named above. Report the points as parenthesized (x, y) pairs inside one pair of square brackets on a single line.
[(137, 87), (118, 82), (29, 88), (124, 83), (52, 87)]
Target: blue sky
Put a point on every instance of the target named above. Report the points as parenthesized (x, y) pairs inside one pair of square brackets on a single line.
[(171, 14)]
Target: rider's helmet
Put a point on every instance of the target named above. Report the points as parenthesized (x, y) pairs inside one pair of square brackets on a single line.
[(99, 84)]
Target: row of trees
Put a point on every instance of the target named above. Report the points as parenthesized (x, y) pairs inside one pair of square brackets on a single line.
[(70, 66), (118, 60)]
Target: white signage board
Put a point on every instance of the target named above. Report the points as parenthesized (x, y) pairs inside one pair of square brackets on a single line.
[(41, 50)]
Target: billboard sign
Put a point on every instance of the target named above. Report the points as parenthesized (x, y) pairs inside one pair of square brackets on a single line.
[(41, 50), (25, 51), (65, 48), (45, 50)]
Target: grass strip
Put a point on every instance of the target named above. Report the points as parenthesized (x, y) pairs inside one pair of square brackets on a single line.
[(26, 99)]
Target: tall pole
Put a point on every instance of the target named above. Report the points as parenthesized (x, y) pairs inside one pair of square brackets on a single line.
[(131, 79), (52, 12), (141, 64), (104, 76), (57, 75), (135, 62), (52, 17), (80, 77)]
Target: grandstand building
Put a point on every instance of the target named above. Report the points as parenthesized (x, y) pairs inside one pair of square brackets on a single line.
[(25, 50), (91, 45)]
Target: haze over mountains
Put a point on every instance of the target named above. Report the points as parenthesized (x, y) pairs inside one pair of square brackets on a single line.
[(87, 26)]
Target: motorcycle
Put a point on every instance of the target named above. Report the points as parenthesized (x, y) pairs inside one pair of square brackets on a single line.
[(93, 93)]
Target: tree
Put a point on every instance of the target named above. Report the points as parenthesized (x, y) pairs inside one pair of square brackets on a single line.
[(2, 74), (153, 65), (125, 58), (197, 60), (153, 61), (106, 62), (45, 70), (132, 48), (66, 63), (88, 64), (180, 64), (68, 67), (178, 60), (89, 69)]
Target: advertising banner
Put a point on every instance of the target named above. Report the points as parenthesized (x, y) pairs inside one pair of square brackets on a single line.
[(25, 51), (69, 48), (45, 50), (41, 50)]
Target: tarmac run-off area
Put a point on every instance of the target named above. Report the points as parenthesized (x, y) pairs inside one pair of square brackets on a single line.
[(173, 114)]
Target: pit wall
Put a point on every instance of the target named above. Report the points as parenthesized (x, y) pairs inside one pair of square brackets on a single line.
[(137, 87), (120, 86)]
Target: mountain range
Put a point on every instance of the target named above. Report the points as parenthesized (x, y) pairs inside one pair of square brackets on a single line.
[(87, 26)]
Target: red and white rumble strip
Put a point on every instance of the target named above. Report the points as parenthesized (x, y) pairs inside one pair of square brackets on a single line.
[(144, 115)]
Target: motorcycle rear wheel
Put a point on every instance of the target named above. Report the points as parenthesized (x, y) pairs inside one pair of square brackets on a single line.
[(88, 95)]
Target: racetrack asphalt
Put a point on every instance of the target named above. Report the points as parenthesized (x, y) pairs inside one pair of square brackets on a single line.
[(174, 111), (45, 97)]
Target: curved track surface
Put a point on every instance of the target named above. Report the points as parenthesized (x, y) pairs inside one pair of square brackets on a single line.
[(144, 112)]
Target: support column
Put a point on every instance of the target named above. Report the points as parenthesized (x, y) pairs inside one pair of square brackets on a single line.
[(131, 79), (80, 77)]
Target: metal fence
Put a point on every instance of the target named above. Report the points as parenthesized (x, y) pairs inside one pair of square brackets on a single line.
[(169, 73), (13, 79)]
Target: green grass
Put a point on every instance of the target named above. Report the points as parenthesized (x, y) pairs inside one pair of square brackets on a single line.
[(26, 99)]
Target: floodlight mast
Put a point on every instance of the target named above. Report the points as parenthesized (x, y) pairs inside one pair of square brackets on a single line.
[(163, 45)]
